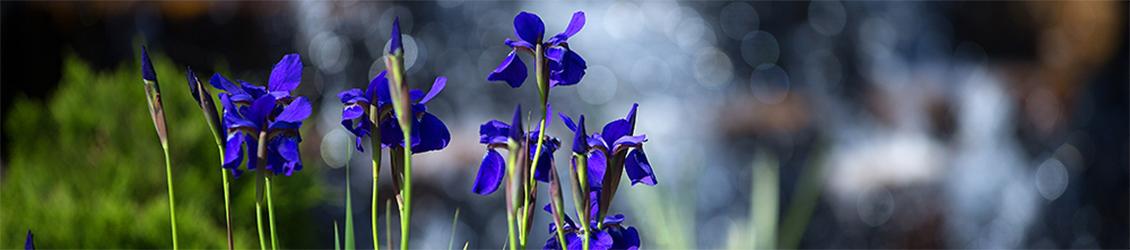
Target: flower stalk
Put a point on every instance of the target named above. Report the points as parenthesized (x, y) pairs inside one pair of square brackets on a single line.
[(157, 113), (399, 93)]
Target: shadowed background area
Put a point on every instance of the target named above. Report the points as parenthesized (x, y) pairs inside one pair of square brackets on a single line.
[(822, 124)]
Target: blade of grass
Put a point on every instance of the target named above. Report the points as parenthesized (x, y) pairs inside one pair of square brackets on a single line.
[(451, 239), (337, 239)]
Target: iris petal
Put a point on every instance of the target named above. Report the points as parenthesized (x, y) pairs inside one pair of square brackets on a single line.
[(529, 27), (596, 166), (490, 173), (378, 89), (394, 41), (437, 86), (147, 72), (260, 109), (638, 169), (296, 111), (233, 150), (575, 26), (286, 75), (571, 71), (493, 132), (352, 96), (512, 71), (433, 134), (615, 129)]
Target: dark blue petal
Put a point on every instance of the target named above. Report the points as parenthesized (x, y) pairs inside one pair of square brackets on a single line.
[(555, 55), (580, 145), (549, 145), (628, 141), (437, 86), (252, 151), (260, 110), (233, 150), (218, 81), (255, 91), (568, 122), (493, 132), (614, 130), (596, 167), (512, 71), (614, 219), (288, 149), (192, 84), (394, 39), (29, 243), (632, 118), (529, 27), (378, 89), (638, 169), (572, 69), (147, 72), (351, 112), (286, 76), (298, 109), (595, 141), (491, 172), (433, 134), (516, 128), (352, 96), (575, 26)]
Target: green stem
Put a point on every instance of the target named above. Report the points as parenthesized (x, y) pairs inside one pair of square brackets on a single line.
[(375, 144), (582, 174), (227, 208), (350, 243), (260, 186), (259, 221), (172, 205), (404, 116), (406, 217), (271, 217), (511, 195)]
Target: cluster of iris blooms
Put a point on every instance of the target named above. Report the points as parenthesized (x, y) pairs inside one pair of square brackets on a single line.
[(263, 122), (598, 159)]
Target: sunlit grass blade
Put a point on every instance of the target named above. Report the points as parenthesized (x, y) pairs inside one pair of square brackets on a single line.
[(337, 239), (349, 243)]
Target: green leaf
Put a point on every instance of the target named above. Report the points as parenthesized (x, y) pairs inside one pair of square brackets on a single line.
[(349, 243), (337, 239)]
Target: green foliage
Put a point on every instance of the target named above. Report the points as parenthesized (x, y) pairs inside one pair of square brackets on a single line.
[(85, 170)]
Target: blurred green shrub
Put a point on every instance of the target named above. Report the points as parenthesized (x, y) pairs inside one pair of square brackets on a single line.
[(85, 170)]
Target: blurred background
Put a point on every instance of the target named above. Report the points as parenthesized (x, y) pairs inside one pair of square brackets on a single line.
[(822, 124)]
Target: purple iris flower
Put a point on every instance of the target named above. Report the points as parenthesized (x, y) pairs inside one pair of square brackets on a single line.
[(617, 140), (497, 134), (251, 111), (566, 67), (613, 235), (429, 133)]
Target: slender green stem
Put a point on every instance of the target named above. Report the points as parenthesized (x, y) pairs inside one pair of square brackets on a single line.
[(260, 186), (511, 196), (271, 217), (582, 174), (375, 144), (259, 222), (350, 243), (227, 208), (406, 218), (172, 205)]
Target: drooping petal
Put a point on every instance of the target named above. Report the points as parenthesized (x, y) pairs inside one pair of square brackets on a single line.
[(394, 38), (494, 132), (555, 55), (529, 27), (286, 76), (638, 169), (252, 150), (575, 26), (147, 72), (437, 86), (491, 172), (433, 134), (572, 69), (512, 71), (288, 149), (596, 142), (233, 150), (614, 219)]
